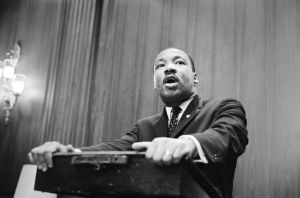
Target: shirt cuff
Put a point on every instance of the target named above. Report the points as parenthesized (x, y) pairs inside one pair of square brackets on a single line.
[(76, 150), (198, 146)]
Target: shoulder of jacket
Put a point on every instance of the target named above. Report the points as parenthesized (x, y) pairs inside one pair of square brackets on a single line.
[(219, 101)]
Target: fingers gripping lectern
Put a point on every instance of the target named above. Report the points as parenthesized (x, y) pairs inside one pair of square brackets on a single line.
[(122, 174)]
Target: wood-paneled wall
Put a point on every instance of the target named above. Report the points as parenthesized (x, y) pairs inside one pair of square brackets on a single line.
[(89, 77)]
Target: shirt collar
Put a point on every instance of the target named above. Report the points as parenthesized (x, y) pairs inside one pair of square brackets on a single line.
[(183, 107)]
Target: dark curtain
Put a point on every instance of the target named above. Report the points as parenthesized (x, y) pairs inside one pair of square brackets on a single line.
[(59, 46)]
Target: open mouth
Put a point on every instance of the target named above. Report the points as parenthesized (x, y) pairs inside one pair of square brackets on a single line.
[(170, 79)]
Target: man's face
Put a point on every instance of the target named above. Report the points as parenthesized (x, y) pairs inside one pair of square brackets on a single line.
[(174, 78)]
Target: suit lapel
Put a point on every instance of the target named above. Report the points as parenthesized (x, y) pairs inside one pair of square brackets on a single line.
[(161, 127), (191, 111)]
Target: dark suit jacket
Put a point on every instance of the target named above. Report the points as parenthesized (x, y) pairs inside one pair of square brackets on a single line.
[(219, 125)]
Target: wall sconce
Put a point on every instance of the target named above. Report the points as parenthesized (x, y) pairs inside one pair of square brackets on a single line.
[(11, 84)]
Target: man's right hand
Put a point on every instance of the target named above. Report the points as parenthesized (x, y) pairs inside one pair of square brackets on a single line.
[(42, 155)]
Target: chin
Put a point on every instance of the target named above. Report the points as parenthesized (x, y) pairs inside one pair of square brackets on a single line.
[(169, 96), (169, 93)]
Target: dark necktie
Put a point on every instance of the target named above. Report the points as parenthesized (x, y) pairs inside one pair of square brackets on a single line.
[(174, 120)]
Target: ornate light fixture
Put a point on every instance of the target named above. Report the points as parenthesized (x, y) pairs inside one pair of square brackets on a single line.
[(11, 84)]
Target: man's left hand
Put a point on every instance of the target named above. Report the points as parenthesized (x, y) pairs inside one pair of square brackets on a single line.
[(165, 150)]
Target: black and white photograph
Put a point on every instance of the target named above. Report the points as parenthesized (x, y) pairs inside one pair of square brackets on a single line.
[(149, 98)]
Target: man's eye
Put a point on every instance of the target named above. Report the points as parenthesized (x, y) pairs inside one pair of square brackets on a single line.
[(159, 65), (180, 63)]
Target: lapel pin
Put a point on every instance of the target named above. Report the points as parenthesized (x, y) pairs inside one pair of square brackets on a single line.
[(188, 115)]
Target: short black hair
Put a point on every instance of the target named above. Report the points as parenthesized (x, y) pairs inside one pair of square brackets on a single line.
[(192, 63), (191, 59)]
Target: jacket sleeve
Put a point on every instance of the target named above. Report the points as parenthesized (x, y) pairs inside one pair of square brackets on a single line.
[(122, 144), (227, 135)]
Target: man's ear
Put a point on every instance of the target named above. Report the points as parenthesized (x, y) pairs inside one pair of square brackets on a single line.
[(154, 83), (154, 80), (195, 79)]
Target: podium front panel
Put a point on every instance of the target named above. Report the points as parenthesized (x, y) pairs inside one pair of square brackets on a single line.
[(117, 174)]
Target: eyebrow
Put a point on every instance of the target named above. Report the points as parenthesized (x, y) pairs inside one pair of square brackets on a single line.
[(175, 58)]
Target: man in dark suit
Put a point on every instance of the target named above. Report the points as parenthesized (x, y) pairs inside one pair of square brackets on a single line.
[(212, 132)]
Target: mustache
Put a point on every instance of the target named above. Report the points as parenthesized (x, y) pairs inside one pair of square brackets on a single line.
[(172, 78)]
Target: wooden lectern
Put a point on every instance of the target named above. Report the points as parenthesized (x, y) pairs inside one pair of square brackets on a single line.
[(122, 174)]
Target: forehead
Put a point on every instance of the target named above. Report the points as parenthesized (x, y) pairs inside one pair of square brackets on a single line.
[(170, 54)]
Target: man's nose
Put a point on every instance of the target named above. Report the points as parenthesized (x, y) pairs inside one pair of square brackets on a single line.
[(170, 70)]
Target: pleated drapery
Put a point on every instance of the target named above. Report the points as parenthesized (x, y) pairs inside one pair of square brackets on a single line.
[(59, 44)]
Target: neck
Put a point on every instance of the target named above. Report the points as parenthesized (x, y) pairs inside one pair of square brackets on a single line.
[(177, 103)]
